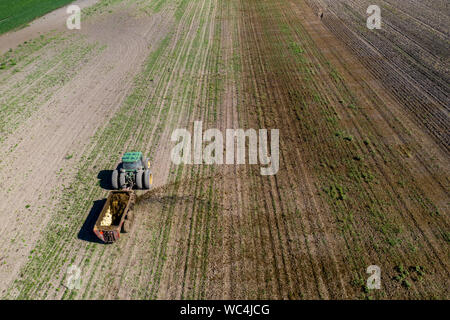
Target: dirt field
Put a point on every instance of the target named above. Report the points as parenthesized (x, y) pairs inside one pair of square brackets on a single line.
[(364, 160)]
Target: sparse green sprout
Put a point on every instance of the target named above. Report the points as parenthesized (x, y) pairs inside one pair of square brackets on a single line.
[(295, 47), (406, 284), (436, 213), (446, 236), (336, 192), (420, 270), (367, 176), (348, 138)]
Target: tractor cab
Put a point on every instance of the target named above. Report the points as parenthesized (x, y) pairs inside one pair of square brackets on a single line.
[(133, 171), (131, 161)]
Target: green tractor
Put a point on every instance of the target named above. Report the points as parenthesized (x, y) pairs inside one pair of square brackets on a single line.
[(133, 171)]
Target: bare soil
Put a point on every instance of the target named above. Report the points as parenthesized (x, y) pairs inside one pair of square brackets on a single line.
[(364, 161)]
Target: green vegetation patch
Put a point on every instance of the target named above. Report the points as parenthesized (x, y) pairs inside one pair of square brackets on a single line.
[(14, 14)]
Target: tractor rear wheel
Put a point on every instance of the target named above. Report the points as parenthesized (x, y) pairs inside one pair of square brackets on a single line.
[(126, 227), (148, 179), (139, 181), (115, 179), (122, 182)]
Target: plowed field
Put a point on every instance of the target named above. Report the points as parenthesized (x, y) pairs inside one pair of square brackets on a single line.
[(364, 159)]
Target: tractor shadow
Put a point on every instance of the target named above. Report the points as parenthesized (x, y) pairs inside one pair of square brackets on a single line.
[(104, 179), (86, 232)]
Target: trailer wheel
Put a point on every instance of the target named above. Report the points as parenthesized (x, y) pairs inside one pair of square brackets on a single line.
[(126, 227), (139, 179), (122, 182), (115, 179), (148, 179), (130, 215)]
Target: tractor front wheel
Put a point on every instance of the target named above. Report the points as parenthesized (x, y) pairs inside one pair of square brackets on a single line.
[(148, 179), (115, 179), (146, 163)]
